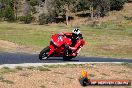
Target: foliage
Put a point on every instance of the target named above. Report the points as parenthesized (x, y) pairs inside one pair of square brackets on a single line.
[(9, 14), (50, 9), (117, 4), (45, 19), (33, 9), (128, 18), (82, 5), (7, 10), (26, 19), (34, 2)]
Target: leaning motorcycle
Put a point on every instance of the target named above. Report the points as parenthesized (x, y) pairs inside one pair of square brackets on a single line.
[(57, 48)]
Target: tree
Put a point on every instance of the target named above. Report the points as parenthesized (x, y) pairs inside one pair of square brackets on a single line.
[(92, 9), (102, 7), (7, 11), (54, 9), (26, 19), (117, 4), (82, 5), (45, 19), (9, 14), (62, 7), (15, 7), (34, 2), (26, 8)]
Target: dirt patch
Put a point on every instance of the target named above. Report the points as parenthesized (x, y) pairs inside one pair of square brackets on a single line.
[(7, 44), (66, 77), (116, 48), (13, 47)]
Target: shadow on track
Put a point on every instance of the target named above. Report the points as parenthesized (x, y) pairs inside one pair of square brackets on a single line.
[(19, 58)]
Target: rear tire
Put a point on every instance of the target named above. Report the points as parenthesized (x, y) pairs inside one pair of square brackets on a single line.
[(44, 53), (67, 58)]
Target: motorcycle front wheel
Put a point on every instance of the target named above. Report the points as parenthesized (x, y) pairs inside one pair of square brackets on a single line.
[(44, 53)]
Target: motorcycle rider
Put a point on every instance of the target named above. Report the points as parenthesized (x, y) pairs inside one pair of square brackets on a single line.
[(75, 37)]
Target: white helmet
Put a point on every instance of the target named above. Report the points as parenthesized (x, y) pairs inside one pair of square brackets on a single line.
[(76, 31)]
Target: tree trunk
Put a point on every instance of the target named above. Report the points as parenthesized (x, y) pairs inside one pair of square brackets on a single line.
[(15, 8), (26, 8), (46, 7), (67, 14), (91, 12)]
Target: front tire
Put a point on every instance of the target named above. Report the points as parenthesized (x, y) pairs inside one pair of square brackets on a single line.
[(44, 53)]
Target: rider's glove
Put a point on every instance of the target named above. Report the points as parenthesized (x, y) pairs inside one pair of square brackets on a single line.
[(67, 47)]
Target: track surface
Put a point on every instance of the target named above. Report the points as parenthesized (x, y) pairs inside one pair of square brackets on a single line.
[(20, 58)]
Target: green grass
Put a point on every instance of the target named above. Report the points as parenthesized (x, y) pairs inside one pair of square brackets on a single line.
[(19, 68), (31, 67), (8, 81), (41, 68), (128, 65), (6, 70), (33, 35), (5, 80), (110, 39), (68, 65)]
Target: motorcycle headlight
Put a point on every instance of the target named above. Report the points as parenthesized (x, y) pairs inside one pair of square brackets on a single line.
[(60, 38)]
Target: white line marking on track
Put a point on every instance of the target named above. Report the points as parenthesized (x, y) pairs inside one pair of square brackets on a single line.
[(40, 64)]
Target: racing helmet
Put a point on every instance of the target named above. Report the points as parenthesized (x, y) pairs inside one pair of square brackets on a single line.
[(75, 33)]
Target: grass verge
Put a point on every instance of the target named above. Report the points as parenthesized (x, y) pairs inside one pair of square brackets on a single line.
[(111, 39), (5, 80)]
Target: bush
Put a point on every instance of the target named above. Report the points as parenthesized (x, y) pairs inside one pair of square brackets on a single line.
[(33, 9), (1, 16), (9, 14), (34, 2), (26, 19), (45, 19), (117, 4)]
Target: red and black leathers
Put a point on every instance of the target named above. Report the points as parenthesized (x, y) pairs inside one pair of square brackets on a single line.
[(76, 40)]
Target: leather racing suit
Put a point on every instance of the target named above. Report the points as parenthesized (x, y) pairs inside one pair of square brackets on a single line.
[(76, 42)]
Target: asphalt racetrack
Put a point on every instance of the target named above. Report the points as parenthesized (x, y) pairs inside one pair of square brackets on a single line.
[(21, 58)]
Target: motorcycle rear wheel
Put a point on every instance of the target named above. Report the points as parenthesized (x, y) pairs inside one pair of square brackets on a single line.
[(44, 53), (67, 58)]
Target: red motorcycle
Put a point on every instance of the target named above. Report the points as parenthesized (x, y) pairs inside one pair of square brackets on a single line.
[(57, 48)]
